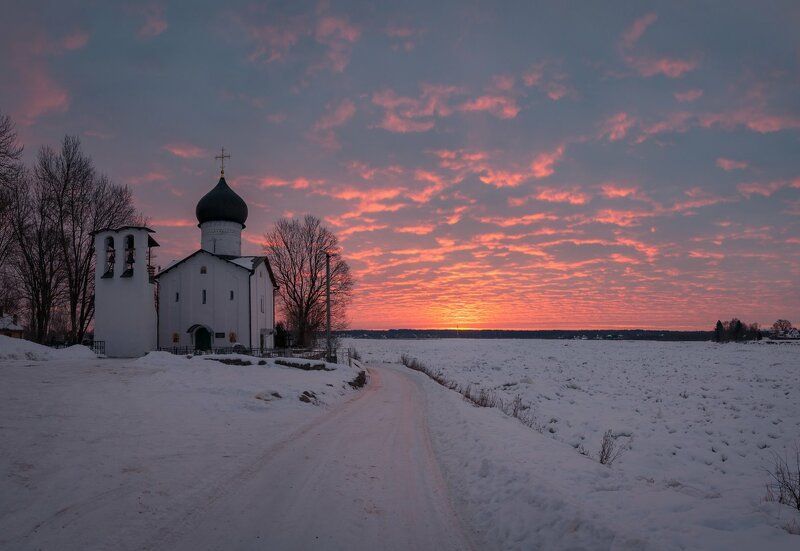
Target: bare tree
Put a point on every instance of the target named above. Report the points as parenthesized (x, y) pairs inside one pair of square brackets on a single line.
[(10, 172), (35, 262), (781, 326), (296, 251), (82, 202)]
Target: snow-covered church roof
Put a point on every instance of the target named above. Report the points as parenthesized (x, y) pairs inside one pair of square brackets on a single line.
[(249, 263)]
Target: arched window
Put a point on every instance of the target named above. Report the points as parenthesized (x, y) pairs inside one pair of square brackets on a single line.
[(176, 338), (203, 270), (130, 256), (110, 257)]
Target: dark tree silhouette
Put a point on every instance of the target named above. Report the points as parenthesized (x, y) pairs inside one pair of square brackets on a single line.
[(82, 203), (719, 332), (296, 251)]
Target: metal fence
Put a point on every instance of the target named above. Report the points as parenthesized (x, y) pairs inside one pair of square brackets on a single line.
[(98, 347), (305, 353)]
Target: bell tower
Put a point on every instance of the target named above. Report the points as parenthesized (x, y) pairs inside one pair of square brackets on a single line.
[(125, 315)]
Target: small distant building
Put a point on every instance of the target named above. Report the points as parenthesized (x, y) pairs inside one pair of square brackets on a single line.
[(10, 327)]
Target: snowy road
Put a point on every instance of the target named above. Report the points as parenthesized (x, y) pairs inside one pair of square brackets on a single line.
[(363, 476)]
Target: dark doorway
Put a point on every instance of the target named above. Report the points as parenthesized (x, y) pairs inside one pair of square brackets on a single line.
[(202, 339)]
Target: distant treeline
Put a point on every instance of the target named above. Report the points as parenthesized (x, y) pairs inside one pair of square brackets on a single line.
[(593, 334), (736, 331)]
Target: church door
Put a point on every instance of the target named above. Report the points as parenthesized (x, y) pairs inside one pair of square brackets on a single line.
[(202, 339)]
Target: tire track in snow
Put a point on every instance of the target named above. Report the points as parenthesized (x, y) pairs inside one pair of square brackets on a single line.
[(362, 476)]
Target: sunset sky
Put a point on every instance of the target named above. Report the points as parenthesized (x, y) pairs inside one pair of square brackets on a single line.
[(486, 165)]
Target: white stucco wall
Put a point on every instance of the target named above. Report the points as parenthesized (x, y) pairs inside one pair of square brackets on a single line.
[(221, 237), (220, 314), (261, 291), (125, 313)]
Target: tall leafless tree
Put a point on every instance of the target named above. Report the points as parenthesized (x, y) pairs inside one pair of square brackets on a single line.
[(10, 172), (296, 251), (35, 262), (82, 202)]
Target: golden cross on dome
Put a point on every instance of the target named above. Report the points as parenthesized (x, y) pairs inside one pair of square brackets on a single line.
[(222, 158)]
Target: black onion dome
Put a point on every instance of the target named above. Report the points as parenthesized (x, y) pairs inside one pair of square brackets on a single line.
[(221, 203)]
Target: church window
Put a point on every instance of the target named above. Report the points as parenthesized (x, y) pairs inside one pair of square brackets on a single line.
[(176, 337), (204, 296), (232, 337), (130, 256), (177, 297), (231, 295), (203, 270), (110, 257), (262, 305)]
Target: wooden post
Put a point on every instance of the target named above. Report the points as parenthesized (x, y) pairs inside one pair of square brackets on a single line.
[(328, 302)]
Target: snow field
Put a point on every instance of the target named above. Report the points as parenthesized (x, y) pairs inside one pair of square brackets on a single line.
[(701, 422)]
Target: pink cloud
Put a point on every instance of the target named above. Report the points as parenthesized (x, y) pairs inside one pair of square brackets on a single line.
[(435, 184), (623, 218), (186, 150), (361, 228), (338, 35), (273, 42), (752, 117), (503, 178), (147, 178), (573, 195), (548, 77), (336, 115), (43, 95), (40, 93), (689, 95), (404, 37), (75, 41), (731, 164), (173, 223), (679, 121), (296, 183), (543, 165), (154, 21), (766, 189), (614, 191), (504, 83), (647, 65), (420, 229), (503, 107), (407, 114), (616, 127)]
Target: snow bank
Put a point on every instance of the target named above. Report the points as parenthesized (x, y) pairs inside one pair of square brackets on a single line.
[(20, 349)]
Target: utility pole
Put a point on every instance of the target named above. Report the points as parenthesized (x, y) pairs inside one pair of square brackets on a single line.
[(328, 301)]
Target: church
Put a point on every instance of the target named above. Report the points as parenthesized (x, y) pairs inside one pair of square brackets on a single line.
[(213, 298)]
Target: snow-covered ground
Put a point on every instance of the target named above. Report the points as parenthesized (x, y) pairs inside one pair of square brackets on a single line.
[(702, 423), (190, 453), (97, 453)]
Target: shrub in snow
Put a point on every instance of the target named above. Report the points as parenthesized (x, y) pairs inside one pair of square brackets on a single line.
[(785, 485), (610, 449), (307, 366), (360, 380)]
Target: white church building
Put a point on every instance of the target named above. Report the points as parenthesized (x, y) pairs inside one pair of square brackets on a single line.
[(213, 298)]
